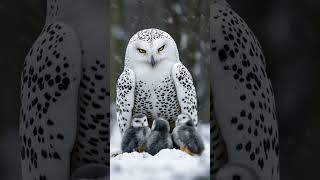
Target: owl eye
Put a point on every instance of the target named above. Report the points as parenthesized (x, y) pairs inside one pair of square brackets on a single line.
[(142, 51), (161, 48)]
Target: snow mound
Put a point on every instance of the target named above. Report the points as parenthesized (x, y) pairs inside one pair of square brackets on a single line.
[(168, 164)]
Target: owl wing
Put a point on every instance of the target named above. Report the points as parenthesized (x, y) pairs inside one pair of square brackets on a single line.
[(185, 91), (244, 105), (125, 98), (49, 95)]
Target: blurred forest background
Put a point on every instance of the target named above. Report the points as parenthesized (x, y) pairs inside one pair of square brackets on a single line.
[(288, 31)]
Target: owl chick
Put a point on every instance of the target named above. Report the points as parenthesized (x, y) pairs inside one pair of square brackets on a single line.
[(135, 137), (185, 135), (160, 137)]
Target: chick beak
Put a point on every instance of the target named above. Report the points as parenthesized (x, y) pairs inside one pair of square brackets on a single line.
[(153, 62)]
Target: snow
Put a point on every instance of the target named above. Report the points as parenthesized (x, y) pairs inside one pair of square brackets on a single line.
[(169, 164)]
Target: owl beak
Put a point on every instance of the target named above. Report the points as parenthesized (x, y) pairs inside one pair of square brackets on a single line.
[(153, 62)]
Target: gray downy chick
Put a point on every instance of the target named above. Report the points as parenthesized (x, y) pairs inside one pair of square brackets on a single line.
[(135, 137), (186, 137), (160, 137)]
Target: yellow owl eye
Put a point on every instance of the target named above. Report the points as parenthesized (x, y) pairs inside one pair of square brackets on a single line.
[(142, 51), (161, 48)]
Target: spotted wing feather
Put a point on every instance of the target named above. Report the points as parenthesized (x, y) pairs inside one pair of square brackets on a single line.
[(125, 98), (185, 91), (243, 96), (49, 96)]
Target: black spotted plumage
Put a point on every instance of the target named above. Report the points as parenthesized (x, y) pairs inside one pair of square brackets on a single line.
[(166, 104), (158, 99), (44, 134), (93, 130), (64, 120), (243, 98)]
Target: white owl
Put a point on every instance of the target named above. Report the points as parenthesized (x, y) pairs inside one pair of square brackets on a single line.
[(154, 82)]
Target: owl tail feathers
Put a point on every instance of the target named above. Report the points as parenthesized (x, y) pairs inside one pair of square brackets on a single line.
[(236, 171), (186, 150), (91, 171)]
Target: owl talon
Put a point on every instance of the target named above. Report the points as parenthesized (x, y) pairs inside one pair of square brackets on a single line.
[(186, 150), (141, 149)]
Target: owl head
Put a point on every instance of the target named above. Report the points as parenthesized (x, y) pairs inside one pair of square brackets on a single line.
[(160, 124), (139, 120), (151, 47), (184, 119)]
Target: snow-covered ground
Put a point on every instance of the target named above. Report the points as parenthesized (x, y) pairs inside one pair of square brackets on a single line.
[(168, 164)]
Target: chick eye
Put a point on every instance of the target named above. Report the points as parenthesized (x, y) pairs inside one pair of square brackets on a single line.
[(161, 48), (142, 50)]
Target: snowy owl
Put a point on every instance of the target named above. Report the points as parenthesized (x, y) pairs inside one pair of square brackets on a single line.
[(186, 137), (135, 137), (160, 137), (154, 81)]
